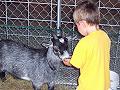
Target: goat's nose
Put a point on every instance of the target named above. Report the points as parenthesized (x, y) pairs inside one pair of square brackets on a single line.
[(66, 54)]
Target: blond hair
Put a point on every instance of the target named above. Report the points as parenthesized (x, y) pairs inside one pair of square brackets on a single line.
[(87, 11)]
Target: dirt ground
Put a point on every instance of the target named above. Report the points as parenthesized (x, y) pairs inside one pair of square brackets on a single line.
[(15, 84)]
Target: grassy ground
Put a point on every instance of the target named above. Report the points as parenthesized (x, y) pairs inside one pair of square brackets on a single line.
[(15, 84)]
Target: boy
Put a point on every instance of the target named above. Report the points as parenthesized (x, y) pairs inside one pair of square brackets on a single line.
[(92, 53)]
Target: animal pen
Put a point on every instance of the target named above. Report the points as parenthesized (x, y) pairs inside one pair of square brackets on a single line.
[(31, 22)]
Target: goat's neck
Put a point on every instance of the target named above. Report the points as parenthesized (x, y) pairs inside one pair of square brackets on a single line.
[(51, 55)]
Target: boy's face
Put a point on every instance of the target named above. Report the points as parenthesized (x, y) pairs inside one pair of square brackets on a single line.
[(81, 26)]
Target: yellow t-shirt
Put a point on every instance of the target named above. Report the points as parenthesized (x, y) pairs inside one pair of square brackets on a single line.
[(92, 56)]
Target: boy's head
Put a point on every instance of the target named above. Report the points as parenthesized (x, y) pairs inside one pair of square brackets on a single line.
[(88, 12)]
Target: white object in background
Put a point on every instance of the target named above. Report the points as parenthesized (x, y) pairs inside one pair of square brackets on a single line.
[(114, 80)]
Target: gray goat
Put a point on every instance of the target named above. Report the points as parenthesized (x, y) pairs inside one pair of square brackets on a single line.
[(35, 65)]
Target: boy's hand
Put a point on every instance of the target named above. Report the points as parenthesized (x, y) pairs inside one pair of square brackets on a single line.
[(66, 61)]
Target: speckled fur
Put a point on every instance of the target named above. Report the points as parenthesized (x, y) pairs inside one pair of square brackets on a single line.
[(28, 63)]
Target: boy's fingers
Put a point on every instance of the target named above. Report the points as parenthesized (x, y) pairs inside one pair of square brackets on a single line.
[(65, 60)]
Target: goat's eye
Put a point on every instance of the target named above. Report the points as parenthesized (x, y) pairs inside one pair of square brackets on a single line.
[(55, 50)]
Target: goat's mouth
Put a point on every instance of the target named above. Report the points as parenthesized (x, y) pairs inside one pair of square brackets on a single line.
[(61, 55), (65, 55)]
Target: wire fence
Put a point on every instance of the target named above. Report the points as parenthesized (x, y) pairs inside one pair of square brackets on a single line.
[(31, 22)]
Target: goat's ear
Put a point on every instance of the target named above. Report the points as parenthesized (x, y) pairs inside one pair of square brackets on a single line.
[(69, 38), (46, 45)]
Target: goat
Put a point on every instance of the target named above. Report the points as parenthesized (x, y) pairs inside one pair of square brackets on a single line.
[(35, 65)]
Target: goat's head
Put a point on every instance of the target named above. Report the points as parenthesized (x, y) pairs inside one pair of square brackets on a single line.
[(57, 50), (60, 46)]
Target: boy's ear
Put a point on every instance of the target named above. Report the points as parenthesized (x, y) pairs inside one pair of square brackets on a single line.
[(84, 23), (79, 23)]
